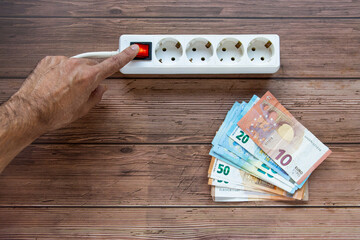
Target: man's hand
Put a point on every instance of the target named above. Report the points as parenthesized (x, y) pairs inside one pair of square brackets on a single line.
[(59, 91)]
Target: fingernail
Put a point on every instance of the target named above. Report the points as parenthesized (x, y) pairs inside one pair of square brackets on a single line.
[(135, 47)]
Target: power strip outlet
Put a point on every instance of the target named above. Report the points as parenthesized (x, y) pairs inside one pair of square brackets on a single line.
[(204, 54)]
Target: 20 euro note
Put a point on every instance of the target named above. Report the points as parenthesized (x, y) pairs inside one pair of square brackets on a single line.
[(294, 148), (221, 170), (246, 144), (222, 140), (238, 135)]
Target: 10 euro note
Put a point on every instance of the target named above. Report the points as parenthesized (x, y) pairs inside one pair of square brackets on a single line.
[(294, 148)]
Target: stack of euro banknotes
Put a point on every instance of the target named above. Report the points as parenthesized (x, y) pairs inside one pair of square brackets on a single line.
[(262, 153)]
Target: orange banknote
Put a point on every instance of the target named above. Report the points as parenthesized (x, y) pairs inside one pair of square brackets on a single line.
[(294, 148)]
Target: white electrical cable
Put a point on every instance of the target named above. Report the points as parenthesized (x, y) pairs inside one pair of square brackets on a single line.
[(96, 54)]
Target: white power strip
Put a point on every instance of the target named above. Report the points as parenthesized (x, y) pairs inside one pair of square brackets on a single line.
[(205, 54), (199, 54)]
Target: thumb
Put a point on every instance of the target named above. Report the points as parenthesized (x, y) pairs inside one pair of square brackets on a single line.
[(94, 99)]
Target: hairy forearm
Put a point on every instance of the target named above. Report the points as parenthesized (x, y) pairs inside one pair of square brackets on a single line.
[(18, 128), (59, 91)]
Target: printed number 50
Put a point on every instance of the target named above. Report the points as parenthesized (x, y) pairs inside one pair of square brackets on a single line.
[(223, 169), (243, 138)]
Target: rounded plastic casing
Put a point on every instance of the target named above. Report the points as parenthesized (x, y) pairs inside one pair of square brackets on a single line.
[(206, 54)]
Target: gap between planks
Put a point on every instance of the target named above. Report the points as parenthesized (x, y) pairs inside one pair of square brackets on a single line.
[(159, 17), (170, 206), (158, 143), (200, 76)]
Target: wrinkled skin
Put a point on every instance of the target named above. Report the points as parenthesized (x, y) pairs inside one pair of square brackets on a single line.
[(59, 91)]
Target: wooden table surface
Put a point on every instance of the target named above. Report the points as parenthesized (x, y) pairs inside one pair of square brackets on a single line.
[(136, 166)]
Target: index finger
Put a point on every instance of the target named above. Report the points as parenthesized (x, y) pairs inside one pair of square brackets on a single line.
[(113, 64)]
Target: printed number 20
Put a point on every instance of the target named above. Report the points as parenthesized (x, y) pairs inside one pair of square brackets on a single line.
[(223, 169), (243, 138)]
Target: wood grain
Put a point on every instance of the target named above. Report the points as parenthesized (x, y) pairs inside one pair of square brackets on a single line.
[(192, 110), (308, 48), (180, 223), (148, 175), (187, 8), (136, 166)]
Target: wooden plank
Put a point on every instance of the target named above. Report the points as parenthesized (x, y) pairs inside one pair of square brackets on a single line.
[(183, 8), (314, 48), (148, 175), (192, 110), (180, 223)]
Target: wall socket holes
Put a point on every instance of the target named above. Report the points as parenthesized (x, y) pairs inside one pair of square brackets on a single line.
[(260, 50), (199, 50), (168, 50), (206, 54), (230, 50)]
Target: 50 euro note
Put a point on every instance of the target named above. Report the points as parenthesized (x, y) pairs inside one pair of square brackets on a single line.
[(252, 166), (226, 156), (222, 194), (294, 148), (239, 179), (222, 139)]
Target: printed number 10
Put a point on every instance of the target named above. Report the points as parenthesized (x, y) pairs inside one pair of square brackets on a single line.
[(286, 159)]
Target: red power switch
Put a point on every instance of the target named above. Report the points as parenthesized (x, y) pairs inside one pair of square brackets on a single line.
[(144, 50)]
